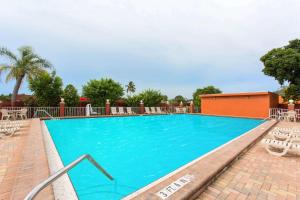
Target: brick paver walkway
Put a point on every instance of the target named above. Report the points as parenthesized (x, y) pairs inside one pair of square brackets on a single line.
[(258, 175), (23, 163)]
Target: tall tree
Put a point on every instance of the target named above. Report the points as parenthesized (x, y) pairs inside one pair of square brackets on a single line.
[(25, 66), (205, 90), (47, 88), (71, 96), (130, 87), (150, 98), (284, 65), (100, 90), (178, 99)]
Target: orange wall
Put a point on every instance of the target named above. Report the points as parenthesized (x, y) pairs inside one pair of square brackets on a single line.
[(254, 105)]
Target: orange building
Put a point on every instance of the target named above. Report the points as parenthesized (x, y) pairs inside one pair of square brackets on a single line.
[(252, 104)]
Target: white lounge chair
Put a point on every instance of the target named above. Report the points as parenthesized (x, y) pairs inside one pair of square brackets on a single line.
[(147, 110), (114, 111), (291, 116), (121, 111), (129, 111), (92, 112), (158, 110), (9, 131), (23, 113), (7, 122), (184, 110), (280, 148), (5, 114), (282, 129), (285, 136), (280, 115), (152, 110)]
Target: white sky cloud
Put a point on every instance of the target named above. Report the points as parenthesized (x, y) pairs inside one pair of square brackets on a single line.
[(217, 39)]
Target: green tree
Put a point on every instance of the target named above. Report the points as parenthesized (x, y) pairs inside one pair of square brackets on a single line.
[(71, 96), (4, 97), (205, 90), (100, 90), (130, 87), (179, 99), (284, 65), (26, 66), (150, 98), (47, 88)]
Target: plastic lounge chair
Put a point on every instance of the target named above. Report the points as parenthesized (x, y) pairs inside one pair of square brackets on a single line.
[(11, 123), (285, 136), (129, 111), (23, 113), (158, 110), (184, 110), (287, 130), (280, 115), (92, 112), (147, 110), (283, 130), (121, 111), (10, 131), (291, 116), (5, 114), (153, 111), (280, 148), (114, 111)]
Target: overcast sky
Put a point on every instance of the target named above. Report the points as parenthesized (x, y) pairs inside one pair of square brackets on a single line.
[(172, 45)]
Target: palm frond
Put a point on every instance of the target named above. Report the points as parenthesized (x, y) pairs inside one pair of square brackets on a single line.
[(42, 62), (4, 68), (10, 76), (7, 53)]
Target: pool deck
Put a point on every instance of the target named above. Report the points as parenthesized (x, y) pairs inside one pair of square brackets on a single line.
[(258, 175), (255, 175), (23, 163)]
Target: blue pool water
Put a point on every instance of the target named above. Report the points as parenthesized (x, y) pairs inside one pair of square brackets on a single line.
[(137, 150)]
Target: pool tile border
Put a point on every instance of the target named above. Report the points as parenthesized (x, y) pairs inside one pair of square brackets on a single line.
[(62, 188), (205, 169)]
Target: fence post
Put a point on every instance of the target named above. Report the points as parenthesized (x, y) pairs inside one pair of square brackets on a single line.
[(142, 108), (291, 105), (192, 108), (0, 109), (62, 108), (107, 107), (167, 107)]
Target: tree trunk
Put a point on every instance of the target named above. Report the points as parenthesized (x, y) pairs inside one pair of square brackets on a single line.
[(16, 90)]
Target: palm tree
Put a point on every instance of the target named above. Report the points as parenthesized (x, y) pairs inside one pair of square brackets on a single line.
[(26, 66), (130, 88)]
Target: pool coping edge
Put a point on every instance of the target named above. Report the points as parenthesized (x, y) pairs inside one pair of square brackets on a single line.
[(63, 188), (142, 192)]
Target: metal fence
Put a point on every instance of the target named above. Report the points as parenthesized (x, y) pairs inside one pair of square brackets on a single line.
[(274, 113), (44, 112), (37, 111)]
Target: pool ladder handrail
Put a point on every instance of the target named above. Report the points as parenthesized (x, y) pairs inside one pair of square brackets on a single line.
[(44, 111), (34, 192)]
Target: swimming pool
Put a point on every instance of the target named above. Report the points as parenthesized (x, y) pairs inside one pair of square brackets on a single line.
[(137, 150)]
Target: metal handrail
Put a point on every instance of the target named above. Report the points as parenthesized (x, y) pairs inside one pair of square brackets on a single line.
[(35, 113), (34, 192)]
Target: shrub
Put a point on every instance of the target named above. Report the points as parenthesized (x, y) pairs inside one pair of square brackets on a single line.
[(100, 90)]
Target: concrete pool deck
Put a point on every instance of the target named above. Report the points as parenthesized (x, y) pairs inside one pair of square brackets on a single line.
[(256, 175), (23, 163)]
